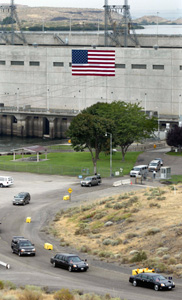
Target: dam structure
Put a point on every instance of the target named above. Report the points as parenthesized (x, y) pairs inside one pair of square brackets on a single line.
[(40, 94)]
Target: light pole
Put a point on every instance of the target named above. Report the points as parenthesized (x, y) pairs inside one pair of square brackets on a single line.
[(145, 102), (158, 122), (110, 151), (179, 107)]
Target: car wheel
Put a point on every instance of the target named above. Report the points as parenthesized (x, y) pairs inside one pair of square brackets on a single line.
[(1, 185), (19, 253), (134, 283), (156, 287), (70, 269), (12, 250), (54, 264), (89, 185)]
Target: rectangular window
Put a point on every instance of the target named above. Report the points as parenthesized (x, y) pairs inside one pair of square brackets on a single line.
[(70, 64), (34, 63), (158, 67), (180, 67), (2, 62), (17, 63), (120, 66), (58, 64), (138, 66)]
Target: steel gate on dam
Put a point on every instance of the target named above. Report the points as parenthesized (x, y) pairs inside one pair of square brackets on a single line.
[(35, 122)]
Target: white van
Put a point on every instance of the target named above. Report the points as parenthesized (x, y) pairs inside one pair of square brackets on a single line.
[(5, 181), (139, 170)]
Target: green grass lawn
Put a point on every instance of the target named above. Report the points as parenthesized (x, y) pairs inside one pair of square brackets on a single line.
[(71, 164)]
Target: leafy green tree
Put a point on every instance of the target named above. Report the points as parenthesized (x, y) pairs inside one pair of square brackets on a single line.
[(88, 131), (174, 137), (8, 20), (131, 124)]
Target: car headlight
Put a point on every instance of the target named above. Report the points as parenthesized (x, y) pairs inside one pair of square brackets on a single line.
[(74, 266), (162, 284), (86, 265), (22, 250), (33, 249)]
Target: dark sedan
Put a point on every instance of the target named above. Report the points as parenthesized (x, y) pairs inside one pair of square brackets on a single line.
[(152, 280), (71, 262)]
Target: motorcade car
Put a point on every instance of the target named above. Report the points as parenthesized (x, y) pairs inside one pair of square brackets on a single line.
[(90, 181), (161, 161), (71, 262), (154, 165), (22, 198), (139, 170), (152, 280), (6, 181), (22, 246)]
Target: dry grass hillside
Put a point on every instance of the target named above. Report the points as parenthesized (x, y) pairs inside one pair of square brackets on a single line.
[(60, 15), (144, 228)]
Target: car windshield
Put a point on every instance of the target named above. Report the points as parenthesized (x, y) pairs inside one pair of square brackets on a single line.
[(159, 278), (153, 164), (20, 196), (25, 244), (74, 259), (88, 178), (136, 169)]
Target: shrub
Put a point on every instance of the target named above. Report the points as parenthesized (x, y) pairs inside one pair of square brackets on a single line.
[(131, 235), (118, 206), (161, 198), (63, 294), (1, 285), (8, 285), (154, 205), (30, 295), (8, 297), (139, 257), (152, 231), (84, 249)]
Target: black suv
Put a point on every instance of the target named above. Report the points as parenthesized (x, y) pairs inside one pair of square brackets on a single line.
[(22, 198), (68, 261), (22, 246)]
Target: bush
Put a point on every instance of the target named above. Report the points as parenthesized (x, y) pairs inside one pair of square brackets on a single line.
[(30, 295), (63, 294), (1, 285), (152, 231), (8, 285), (8, 297), (139, 257)]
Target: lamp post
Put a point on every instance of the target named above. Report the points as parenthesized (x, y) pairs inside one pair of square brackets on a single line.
[(179, 107), (145, 102), (158, 122), (110, 151)]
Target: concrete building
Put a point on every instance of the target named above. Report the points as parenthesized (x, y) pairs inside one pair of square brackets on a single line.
[(39, 96)]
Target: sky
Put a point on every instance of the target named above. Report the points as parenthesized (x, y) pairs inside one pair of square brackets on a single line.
[(134, 4)]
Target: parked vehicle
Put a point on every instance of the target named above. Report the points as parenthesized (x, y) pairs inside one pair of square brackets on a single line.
[(22, 198), (152, 280), (68, 261), (99, 178), (6, 181), (90, 181), (154, 165), (22, 246), (139, 170)]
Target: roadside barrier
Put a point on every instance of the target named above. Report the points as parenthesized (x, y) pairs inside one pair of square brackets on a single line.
[(48, 246), (126, 181), (117, 183), (7, 266)]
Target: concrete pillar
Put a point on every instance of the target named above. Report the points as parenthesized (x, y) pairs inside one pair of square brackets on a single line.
[(52, 134), (21, 126)]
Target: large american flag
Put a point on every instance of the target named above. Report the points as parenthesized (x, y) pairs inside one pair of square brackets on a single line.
[(93, 62)]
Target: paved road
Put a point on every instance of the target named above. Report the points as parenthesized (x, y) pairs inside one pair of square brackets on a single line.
[(47, 193)]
